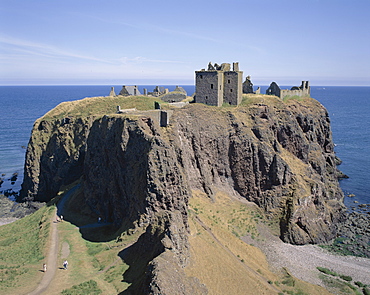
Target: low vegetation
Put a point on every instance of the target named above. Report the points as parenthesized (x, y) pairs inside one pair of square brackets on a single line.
[(341, 283), (89, 287)]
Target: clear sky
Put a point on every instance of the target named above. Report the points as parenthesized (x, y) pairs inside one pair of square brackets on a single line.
[(163, 42)]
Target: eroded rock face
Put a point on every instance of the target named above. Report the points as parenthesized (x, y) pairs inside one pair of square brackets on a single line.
[(280, 158), (278, 155)]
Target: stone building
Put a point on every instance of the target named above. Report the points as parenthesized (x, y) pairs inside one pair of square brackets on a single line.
[(248, 85), (303, 90), (129, 90), (219, 84), (177, 95), (158, 91)]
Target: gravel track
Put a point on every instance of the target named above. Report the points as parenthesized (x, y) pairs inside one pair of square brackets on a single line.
[(301, 261)]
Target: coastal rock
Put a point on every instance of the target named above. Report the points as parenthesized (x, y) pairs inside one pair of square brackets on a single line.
[(275, 154), (354, 235)]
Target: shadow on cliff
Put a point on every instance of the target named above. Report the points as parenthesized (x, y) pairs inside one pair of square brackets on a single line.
[(72, 208), (138, 257), (56, 165)]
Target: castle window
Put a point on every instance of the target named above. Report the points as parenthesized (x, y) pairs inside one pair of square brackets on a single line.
[(220, 87), (231, 90), (228, 81), (211, 86), (201, 76)]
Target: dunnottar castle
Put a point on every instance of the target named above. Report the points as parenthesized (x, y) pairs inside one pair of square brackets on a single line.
[(217, 85)]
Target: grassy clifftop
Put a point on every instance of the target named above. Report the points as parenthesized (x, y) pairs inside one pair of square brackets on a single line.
[(99, 106), (105, 105)]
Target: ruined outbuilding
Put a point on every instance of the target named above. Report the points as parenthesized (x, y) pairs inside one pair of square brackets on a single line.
[(303, 90), (248, 85), (129, 90), (219, 84), (179, 94)]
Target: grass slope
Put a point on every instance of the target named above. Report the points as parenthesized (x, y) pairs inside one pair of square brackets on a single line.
[(222, 261), (23, 246)]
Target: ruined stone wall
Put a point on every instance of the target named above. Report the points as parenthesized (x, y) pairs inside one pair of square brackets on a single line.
[(301, 91), (286, 92), (209, 87)]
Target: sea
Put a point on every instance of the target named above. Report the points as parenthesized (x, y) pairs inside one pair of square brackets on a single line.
[(348, 108)]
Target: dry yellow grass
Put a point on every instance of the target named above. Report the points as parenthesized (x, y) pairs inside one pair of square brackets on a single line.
[(222, 261)]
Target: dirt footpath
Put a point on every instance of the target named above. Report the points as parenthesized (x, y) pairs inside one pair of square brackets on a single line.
[(51, 261)]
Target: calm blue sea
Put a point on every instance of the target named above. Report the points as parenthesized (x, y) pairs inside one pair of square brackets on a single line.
[(349, 109)]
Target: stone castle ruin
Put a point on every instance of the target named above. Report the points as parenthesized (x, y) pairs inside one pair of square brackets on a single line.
[(303, 90), (219, 84), (215, 86)]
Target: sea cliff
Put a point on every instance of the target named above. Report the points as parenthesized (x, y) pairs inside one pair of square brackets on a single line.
[(279, 155)]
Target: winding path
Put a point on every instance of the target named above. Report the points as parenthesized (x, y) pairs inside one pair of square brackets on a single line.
[(52, 257), (51, 261)]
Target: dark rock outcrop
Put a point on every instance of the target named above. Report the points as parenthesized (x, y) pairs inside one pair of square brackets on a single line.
[(278, 155)]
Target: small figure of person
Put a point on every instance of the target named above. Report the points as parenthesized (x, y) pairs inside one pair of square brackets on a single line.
[(65, 264), (99, 219), (61, 217), (57, 219), (44, 267)]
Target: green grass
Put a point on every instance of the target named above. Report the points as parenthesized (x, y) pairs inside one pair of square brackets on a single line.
[(340, 282), (339, 247), (338, 285), (327, 271), (22, 245), (345, 278), (294, 97), (89, 287), (100, 106), (23, 241)]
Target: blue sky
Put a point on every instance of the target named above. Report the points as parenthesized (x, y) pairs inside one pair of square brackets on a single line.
[(163, 42)]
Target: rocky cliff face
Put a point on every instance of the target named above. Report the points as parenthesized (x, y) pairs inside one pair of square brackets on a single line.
[(278, 155)]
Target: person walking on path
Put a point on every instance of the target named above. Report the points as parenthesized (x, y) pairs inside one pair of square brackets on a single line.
[(44, 267), (65, 264)]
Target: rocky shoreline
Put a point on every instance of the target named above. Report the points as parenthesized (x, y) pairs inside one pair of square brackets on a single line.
[(353, 235), (11, 211)]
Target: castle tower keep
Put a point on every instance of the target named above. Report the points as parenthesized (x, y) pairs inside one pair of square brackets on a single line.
[(219, 84)]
